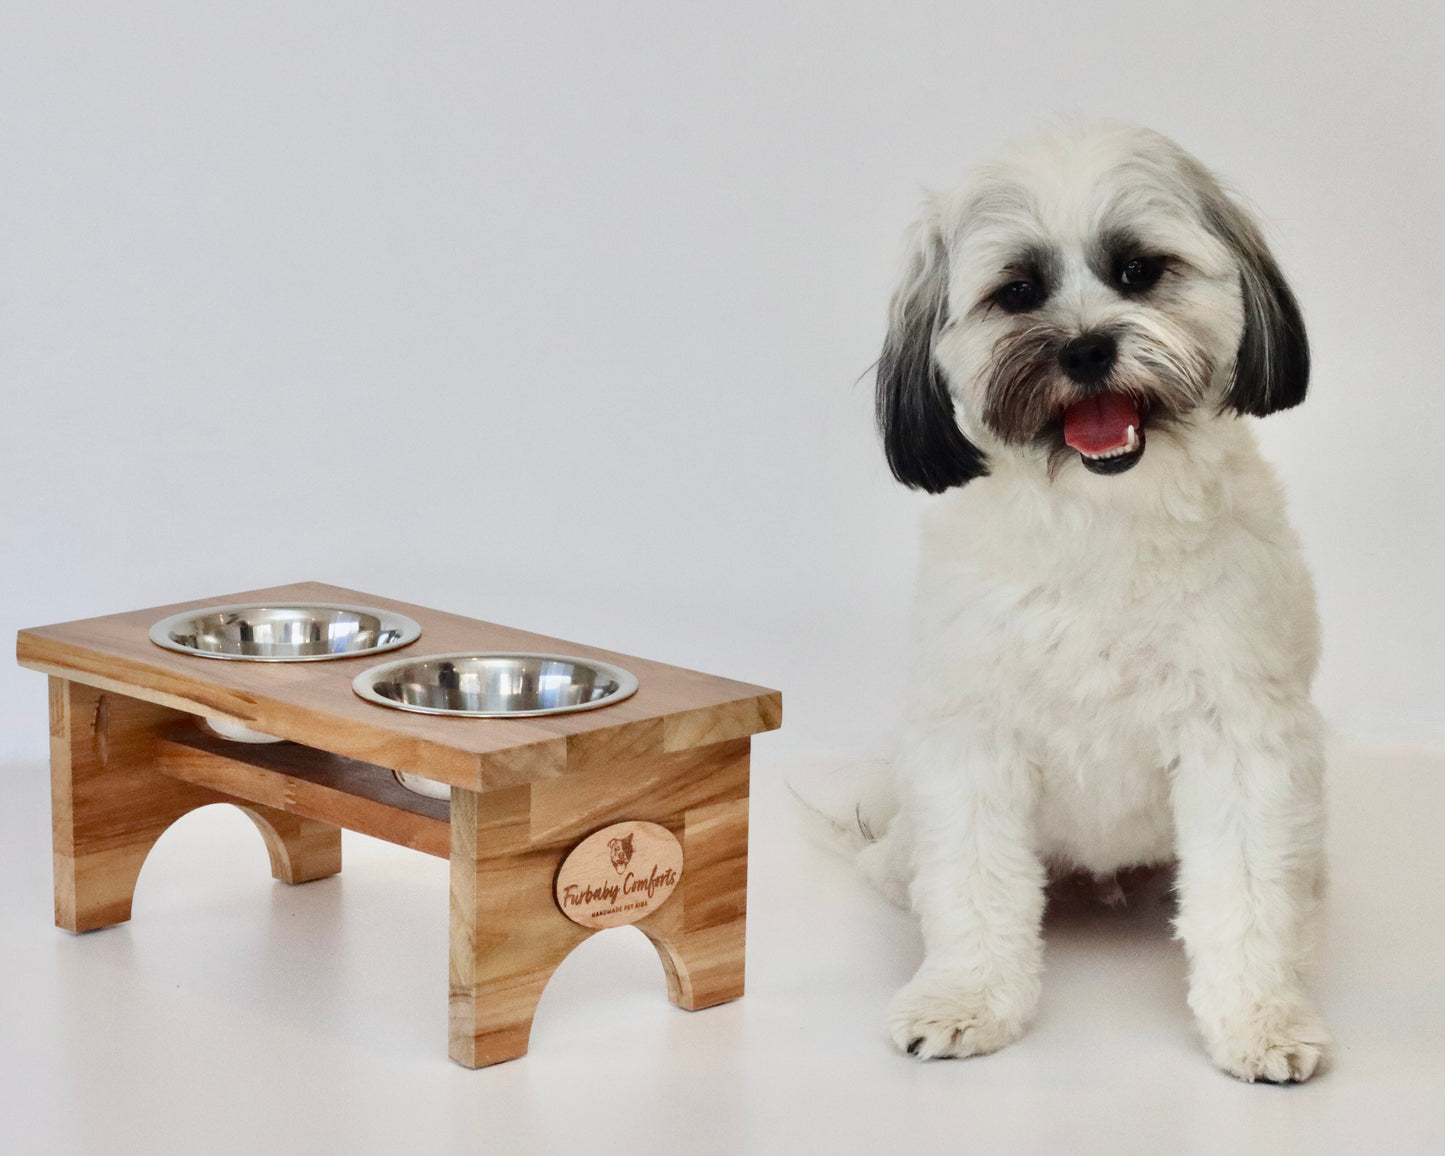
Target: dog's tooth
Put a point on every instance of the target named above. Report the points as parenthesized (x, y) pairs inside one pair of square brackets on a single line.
[(1130, 445)]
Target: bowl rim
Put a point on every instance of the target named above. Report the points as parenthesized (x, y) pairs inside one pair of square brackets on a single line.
[(410, 630), (363, 683)]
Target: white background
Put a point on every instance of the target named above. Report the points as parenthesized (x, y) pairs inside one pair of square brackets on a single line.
[(562, 315)]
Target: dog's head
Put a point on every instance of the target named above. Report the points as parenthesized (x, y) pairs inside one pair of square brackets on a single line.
[(1087, 288), (621, 852)]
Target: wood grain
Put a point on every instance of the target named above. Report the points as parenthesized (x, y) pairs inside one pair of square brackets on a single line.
[(128, 760), (307, 784), (507, 934), (702, 941), (312, 703), (109, 805)]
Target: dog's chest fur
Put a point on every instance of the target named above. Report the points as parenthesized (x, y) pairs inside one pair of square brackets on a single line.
[(1094, 639)]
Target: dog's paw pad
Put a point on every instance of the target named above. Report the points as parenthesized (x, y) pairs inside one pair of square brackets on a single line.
[(1280, 1049), (932, 1018)]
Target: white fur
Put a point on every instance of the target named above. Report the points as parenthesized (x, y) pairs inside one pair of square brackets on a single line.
[(1110, 670)]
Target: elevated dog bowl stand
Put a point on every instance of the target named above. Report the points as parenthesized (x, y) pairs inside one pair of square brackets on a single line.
[(127, 760)]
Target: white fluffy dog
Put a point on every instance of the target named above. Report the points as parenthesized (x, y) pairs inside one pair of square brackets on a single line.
[(1116, 632)]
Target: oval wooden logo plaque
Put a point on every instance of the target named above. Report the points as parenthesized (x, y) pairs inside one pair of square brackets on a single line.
[(619, 874)]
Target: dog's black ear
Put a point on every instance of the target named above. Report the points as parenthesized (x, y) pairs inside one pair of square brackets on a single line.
[(1272, 369), (926, 449)]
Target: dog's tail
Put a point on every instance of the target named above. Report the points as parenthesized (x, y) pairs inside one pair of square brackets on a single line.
[(845, 807), (852, 811)]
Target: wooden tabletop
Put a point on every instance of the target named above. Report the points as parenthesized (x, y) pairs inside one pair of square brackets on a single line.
[(674, 709)]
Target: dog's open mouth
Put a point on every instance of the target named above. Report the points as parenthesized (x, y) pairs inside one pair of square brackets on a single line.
[(1108, 432)]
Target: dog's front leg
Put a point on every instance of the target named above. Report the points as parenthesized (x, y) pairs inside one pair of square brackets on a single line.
[(1249, 818), (978, 890)]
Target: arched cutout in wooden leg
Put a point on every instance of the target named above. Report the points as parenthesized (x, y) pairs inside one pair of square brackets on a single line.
[(95, 882), (109, 806), (701, 932), (507, 936), (507, 933), (706, 968), (301, 850)]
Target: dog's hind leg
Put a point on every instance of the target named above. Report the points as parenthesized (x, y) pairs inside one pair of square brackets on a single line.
[(884, 860), (858, 818)]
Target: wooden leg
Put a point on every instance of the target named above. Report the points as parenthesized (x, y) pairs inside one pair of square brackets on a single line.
[(109, 806), (301, 850), (508, 935), (702, 939)]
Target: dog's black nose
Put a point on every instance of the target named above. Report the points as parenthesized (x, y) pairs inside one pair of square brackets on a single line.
[(1088, 358)]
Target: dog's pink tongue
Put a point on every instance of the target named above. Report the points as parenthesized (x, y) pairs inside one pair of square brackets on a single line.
[(1099, 424)]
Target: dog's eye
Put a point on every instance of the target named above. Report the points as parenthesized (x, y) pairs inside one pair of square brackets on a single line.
[(1020, 296), (1138, 273)]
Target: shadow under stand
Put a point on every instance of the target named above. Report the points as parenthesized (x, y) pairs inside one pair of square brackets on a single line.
[(127, 760)]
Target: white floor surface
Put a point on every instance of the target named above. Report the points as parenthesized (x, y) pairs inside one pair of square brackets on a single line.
[(235, 1014)]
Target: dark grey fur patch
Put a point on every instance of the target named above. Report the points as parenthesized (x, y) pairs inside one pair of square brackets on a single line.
[(1272, 369), (1034, 263), (1113, 246), (1022, 393), (925, 448)]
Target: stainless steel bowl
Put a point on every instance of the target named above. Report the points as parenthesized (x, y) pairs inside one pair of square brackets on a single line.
[(284, 631), (233, 732), (420, 786), (495, 685)]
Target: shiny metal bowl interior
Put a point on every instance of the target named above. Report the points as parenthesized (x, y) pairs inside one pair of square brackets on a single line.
[(284, 632), (495, 685)]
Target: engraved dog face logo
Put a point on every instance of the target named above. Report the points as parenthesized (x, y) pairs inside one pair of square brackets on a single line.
[(621, 853)]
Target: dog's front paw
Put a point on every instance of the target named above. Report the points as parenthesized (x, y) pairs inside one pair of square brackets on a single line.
[(1275, 1045), (939, 1015)]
